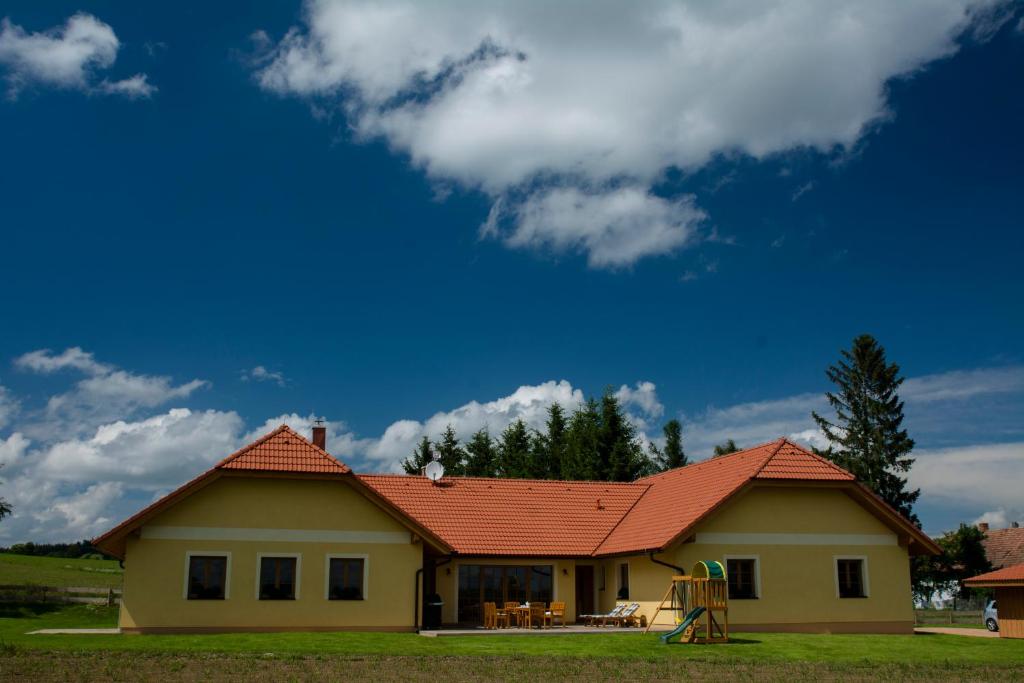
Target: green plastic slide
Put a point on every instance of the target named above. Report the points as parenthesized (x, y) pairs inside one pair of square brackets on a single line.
[(693, 614)]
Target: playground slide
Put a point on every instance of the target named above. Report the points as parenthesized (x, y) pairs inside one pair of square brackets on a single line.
[(693, 614)]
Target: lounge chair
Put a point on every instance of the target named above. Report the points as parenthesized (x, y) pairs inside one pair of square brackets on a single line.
[(594, 619), (626, 617)]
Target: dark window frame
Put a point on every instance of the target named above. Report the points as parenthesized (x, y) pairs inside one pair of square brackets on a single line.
[(344, 593), (203, 562), (278, 561), (623, 572), (749, 589)]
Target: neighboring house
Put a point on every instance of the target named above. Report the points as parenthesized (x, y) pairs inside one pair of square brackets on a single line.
[(1004, 547), (283, 536)]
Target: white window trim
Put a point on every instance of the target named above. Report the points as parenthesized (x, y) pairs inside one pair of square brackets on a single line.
[(208, 553), (347, 556), (865, 580), (757, 571), (298, 572), (618, 579)]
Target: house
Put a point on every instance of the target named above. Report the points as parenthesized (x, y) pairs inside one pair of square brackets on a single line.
[(283, 536), (1003, 547), (1008, 585)]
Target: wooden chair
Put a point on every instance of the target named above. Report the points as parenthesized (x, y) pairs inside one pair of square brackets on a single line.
[(512, 610), (490, 615), (536, 615), (556, 611)]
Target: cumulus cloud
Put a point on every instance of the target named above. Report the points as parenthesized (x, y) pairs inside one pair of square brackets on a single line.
[(8, 406), (67, 56), (107, 393), (511, 98), (261, 374)]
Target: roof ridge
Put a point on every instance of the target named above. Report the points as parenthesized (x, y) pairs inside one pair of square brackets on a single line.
[(824, 461), (593, 482), (248, 447), (716, 458), (775, 451)]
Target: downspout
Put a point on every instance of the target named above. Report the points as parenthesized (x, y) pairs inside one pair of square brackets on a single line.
[(416, 593), (665, 564)]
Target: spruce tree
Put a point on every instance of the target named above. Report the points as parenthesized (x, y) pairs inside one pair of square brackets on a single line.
[(482, 457), (450, 453), (725, 448), (421, 455), (551, 447), (672, 455), (866, 436), (580, 461), (619, 453), (514, 451)]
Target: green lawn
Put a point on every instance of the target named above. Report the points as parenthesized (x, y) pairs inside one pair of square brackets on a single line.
[(920, 653), (59, 571)]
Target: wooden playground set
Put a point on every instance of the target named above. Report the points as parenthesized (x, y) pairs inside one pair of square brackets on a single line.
[(695, 599)]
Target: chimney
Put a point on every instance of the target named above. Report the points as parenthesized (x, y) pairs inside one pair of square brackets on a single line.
[(983, 526), (319, 434)]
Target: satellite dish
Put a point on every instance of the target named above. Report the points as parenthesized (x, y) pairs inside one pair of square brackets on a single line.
[(434, 470)]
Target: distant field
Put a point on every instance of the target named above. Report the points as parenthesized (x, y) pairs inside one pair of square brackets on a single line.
[(59, 571)]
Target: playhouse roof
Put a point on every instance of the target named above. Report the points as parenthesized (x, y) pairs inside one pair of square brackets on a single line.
[(1005, 577), (526, 517)]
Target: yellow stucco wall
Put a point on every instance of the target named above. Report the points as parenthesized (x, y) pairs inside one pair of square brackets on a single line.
[(155, 565), (806, 530)]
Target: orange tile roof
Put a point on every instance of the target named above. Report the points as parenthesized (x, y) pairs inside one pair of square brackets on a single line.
[(1004, 547), (521, 517), (282, 450), (1006, 576)]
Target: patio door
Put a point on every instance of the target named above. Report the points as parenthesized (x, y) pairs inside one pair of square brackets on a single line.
[(480, 583), (584, 589)]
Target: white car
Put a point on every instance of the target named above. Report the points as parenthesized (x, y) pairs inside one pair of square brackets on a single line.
[(990, 616)]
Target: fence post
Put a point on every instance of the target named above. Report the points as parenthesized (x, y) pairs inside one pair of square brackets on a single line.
[(110, 597)]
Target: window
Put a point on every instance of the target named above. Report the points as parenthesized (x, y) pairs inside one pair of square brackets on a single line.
[(851, 577), (345, 578), (623, 593), (743, 579), (278, 577), (207, 576)]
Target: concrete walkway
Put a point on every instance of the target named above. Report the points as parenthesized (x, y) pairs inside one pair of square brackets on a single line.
[(954, 631), (553, 631), (75, 632)]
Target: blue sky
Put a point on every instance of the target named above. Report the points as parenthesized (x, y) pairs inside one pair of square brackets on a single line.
[(458, 217)]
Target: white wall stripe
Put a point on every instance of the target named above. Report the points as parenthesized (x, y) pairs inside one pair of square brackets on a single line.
[(206, 533), (727, 538)]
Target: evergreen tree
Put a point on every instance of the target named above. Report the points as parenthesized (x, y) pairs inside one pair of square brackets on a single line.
[(514, 451), (450, 453), (672, 455), (482, 460), (619, 453), (551, 446), (725, 448), (867, 437), (421, 455), (580, 461)]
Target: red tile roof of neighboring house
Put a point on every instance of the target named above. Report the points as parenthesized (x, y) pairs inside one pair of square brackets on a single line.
[(1004, 547), (511, 516), (282, 450), (1006, 576)]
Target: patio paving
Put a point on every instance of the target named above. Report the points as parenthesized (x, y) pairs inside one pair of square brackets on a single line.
[(554, 631)]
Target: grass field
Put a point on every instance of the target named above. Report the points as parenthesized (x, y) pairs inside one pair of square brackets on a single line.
[(388, 656), (58, 571)]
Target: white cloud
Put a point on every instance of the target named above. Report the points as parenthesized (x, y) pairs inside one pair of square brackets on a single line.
[(528, 403), (8, 406), (83, 515), (341, 443), (67, 56), (45, 361), (261, 374), (996, 519), (614, 228), (106, 394), (509, 97), (984, 477), (962, 384), (12, 450), (642, 405)]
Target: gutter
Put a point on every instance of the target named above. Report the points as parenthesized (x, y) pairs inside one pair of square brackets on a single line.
[(666, 564), (416, 593)]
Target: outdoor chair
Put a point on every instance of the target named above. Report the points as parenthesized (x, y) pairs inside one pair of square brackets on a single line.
[(512, 610), (594, 619), (556, 611), (625, 617), (535, 615)]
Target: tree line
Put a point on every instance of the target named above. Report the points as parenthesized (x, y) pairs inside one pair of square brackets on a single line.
[(596, 442)]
